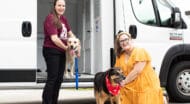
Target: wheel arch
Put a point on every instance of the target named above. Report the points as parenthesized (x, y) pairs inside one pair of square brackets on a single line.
[(174, 55)]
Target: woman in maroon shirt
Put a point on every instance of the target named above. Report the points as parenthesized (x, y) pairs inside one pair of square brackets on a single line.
[(56, 31)]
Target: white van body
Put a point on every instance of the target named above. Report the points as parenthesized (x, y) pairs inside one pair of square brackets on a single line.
[(18, 53), (95, 23), (168, 44)]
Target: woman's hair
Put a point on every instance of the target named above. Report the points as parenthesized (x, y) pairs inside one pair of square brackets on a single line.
[(118, 50), (56, 19)]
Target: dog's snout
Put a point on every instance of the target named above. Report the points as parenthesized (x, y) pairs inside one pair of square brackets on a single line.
[(72, 47), (123, 77)]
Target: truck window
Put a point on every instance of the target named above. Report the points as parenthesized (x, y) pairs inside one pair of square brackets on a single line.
[(143, 11), (165, 13)]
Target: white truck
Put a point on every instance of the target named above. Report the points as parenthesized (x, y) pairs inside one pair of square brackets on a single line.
[(156, 25)]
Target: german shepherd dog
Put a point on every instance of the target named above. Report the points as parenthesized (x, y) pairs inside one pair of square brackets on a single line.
[(107, 86)]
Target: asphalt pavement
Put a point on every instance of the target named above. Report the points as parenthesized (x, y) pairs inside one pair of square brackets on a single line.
[(33, 96)]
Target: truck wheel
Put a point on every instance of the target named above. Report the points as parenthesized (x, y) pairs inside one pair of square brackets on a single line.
[(178, 85)]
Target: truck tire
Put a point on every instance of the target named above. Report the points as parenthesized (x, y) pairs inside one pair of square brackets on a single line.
[(178, 84)]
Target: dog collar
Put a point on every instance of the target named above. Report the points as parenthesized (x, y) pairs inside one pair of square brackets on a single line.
[(114, 90)]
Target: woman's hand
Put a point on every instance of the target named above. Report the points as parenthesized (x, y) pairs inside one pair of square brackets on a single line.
[(78, 54), (58, 42), (66, 47), (124, 82), (79, 50), (71, 34), (139, 66)]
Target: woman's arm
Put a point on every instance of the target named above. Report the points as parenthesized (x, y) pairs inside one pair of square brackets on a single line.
[(139, 66), (58, 42)]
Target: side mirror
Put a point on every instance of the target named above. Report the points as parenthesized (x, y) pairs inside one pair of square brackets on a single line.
[(133, 31), (176, 20)]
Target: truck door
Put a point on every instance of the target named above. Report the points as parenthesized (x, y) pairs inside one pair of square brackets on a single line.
[(18, 40), (155, 31)]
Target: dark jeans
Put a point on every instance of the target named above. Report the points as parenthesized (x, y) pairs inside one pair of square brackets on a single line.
[(55, 62)]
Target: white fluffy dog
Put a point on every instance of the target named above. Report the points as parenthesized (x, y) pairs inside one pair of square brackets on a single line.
[(72, 52)]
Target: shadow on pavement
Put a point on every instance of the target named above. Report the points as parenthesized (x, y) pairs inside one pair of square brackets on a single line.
[(80, 101)]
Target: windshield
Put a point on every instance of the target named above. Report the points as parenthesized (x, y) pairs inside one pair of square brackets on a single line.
[(182, 4), (167, 3)]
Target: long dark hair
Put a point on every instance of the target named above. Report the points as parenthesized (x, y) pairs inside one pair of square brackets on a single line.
[(56, 19)]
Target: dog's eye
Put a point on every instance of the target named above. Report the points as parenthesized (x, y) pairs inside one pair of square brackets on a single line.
[(75, 42), (117, 74)]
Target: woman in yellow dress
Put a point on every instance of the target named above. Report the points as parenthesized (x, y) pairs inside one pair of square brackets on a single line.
[(141, 85)]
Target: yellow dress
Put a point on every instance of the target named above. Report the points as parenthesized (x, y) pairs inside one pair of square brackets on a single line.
[(145, 89)]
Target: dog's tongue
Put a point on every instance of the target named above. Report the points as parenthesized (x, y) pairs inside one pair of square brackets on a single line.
[(72, 52)]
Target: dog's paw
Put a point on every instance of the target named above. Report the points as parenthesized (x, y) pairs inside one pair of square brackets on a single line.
[(66, 76), (72, 75)]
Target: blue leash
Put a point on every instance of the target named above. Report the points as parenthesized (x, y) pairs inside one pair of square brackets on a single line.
[(76, 73)]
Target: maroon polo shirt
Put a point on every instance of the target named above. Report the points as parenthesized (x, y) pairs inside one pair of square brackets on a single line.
[(50, 29)]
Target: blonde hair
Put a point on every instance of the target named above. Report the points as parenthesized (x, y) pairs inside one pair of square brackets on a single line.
[(118, 50)]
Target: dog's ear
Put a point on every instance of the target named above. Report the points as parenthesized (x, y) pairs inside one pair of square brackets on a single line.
[(116, 68), (78, 41), (110, 71)]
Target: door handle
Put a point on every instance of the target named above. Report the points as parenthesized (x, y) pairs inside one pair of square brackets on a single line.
[(88, 31), (26, 28)]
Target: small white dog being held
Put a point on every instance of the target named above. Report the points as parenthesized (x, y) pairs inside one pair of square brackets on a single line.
[(73, 51)]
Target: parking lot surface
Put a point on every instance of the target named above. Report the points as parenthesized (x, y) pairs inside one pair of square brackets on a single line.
[(33, 96)]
